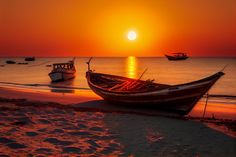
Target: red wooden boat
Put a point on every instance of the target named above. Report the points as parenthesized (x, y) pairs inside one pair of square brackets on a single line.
[(137, 93)]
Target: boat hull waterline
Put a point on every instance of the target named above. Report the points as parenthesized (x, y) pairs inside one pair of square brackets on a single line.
[(61, 76)]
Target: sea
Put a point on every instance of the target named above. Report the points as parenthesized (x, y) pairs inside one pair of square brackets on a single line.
[(34, 75)]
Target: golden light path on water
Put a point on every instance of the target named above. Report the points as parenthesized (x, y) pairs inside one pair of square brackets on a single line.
[(131, 67)]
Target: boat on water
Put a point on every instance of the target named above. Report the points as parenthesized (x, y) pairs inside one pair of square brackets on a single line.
[(138, 93), (177, 56), (10, 62), (63, 71), (29, 58)]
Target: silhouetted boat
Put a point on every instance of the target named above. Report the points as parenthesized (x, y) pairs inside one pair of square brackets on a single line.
[(63, 71), (10, 62), (29, 58), (147, 94), (177, 56)]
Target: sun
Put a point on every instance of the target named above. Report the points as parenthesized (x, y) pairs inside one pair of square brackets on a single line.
[(131, 35)]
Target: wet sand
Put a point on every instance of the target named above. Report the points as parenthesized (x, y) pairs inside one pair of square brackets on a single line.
[(36, 123)]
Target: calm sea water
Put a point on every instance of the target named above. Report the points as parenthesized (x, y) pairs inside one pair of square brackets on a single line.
[(160, 69)]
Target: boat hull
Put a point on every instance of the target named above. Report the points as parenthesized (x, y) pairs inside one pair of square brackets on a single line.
[(10, 62), (30, 59), (172, 58), (179, 98), (61, 76)]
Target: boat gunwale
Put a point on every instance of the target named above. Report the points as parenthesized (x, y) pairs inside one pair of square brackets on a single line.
[(210, 78)]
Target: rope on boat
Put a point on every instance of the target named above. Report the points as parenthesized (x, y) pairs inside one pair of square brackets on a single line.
[(220, 96), (143, 73)]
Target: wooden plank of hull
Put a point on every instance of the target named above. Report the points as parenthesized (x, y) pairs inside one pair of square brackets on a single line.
[(61, 76), (67, 76), (179, 98)]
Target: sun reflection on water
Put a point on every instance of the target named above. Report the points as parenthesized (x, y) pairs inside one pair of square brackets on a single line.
[(131, 67)]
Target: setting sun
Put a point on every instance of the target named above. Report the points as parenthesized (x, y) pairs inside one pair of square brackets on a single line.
[(131, 35)]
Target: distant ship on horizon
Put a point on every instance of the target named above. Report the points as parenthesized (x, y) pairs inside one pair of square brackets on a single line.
[(177, 56)]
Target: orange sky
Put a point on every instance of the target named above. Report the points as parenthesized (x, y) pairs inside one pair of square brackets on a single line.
[(99, 27)]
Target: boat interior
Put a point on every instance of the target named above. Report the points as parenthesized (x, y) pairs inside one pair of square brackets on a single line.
[(123, 84), (63, 66)]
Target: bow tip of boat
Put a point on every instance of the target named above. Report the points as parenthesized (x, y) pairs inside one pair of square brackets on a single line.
[(221, 73)]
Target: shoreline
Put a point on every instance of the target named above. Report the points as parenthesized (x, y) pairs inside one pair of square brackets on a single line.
[(87, 101)]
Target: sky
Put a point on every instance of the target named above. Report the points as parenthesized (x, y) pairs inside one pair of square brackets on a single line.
[(58, 28)]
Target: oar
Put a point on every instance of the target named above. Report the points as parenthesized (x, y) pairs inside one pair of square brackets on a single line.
[(143, 73), (132, 84)]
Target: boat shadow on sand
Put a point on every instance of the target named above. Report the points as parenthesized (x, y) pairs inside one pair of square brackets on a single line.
[(106, 107)]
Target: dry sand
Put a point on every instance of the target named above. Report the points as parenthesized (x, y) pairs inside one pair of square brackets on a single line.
[(36, 123)]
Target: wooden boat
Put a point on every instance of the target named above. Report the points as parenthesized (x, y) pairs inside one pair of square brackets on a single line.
[(177, 56), (30, 59), (147, 94), (63, 71), (10, 62)]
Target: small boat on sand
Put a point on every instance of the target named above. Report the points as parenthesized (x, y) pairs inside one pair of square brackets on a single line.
[(63, 71), (10, 62), (177, 56), (138, 93), (29, 58)]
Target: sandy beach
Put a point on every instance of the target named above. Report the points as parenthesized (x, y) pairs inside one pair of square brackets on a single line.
[(41, 123)]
